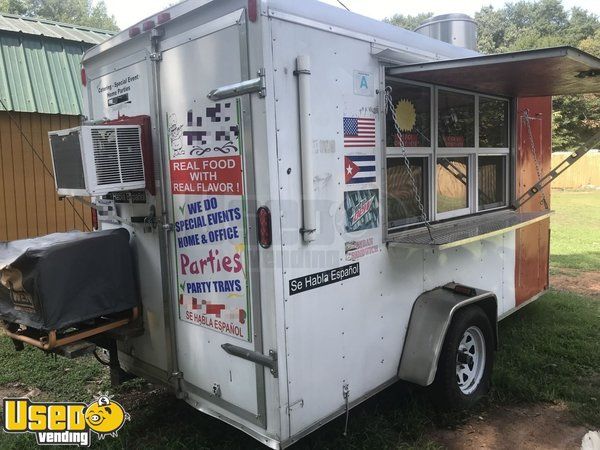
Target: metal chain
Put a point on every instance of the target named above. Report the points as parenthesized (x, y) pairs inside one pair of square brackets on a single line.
[(538, 165), (390, 108)]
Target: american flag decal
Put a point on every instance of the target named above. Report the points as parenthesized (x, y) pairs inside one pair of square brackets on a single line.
[(359, 132)]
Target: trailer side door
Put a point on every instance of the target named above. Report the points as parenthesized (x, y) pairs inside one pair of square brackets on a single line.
[(212, 249)]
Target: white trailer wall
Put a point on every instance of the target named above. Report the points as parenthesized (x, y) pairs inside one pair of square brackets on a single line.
[(352, 332)]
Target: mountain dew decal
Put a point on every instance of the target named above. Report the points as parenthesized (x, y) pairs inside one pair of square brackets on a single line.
[(362, 210), (207, 187)]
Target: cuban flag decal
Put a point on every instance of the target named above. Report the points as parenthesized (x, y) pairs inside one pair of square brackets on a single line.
[(360, 169)]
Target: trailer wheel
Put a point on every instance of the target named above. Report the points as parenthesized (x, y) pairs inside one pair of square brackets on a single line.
[(465, 366)]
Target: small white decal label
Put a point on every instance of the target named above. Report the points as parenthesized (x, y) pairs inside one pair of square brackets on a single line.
[(363, 83)]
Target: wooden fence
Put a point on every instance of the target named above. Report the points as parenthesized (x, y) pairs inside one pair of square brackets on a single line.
[(29, 205), (584, 173)]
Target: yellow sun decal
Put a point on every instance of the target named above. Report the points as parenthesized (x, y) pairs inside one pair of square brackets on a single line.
[(406, 115)]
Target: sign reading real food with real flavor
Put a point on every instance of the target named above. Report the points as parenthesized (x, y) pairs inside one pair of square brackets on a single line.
[(207, 184)]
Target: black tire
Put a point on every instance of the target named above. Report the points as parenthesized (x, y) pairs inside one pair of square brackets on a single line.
[(446, 389)]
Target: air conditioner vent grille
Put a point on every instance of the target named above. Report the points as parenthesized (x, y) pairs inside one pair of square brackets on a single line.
[(117, 155), (93, 160)]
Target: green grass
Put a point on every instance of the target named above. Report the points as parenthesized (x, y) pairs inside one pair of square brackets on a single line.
[(575, 230), (549, 352), (65, 379)]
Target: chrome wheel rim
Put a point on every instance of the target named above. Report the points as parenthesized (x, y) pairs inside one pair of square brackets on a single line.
[(470, 360)]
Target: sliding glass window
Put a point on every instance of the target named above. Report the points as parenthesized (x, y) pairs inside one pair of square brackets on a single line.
[(457, 148)]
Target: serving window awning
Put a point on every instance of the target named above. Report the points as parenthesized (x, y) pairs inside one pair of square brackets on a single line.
[(532, 73)]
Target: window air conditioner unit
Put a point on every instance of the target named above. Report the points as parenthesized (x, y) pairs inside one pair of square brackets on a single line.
[(94, 160)]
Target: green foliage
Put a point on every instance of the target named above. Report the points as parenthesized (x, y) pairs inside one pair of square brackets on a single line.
[(591, 44), (407, 21), (78, 12), (546, 23), (575, 119), (526, 25)]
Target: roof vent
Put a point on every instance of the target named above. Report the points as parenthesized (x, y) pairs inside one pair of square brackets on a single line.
[(455, 29)]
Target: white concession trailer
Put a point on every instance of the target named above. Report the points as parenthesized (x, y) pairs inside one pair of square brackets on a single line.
[(319, 204)]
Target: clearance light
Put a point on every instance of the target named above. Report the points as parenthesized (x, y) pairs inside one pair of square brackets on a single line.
[(134, 31), (163, 17), (265, 234), (148, 25), (83, 77)]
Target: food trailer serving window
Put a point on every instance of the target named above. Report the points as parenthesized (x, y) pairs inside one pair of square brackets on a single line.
[(454, 119), (458, 147)]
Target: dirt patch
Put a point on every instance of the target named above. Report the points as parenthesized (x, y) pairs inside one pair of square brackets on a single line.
[(523, 427), (144, 395), (583, 283), (19, 390)]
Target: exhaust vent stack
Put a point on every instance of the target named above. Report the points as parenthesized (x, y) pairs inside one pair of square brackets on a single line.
[(455, 29)]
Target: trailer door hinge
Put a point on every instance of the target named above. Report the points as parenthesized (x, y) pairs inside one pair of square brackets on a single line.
[(296, 404), (346, 396), (156, 56), (263, 86), (255, 357)]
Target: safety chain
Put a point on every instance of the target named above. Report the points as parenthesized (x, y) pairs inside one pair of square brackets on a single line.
[(390, 109), (538, 165)]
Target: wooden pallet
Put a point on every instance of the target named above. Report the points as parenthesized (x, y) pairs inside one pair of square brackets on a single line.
[(54, 339)]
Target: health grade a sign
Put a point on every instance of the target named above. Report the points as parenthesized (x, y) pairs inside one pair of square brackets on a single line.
[(207, 187)]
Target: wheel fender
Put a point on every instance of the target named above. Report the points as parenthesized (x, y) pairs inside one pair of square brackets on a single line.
[(431, 316)]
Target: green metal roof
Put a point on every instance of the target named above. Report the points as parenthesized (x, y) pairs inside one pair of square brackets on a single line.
[(48, 28), (40, 63)]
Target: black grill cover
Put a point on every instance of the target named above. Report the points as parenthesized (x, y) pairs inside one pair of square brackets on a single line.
[(56, 281)]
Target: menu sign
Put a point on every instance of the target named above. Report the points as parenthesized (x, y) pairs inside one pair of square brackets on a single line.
[(207, 187)]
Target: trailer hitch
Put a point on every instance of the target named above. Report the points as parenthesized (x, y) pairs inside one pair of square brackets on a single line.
[(255, 357)]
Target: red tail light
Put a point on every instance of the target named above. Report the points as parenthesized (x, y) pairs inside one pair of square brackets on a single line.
[(94, 219), (252, 10), (83, 77), (134, 31), (265, 233)]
